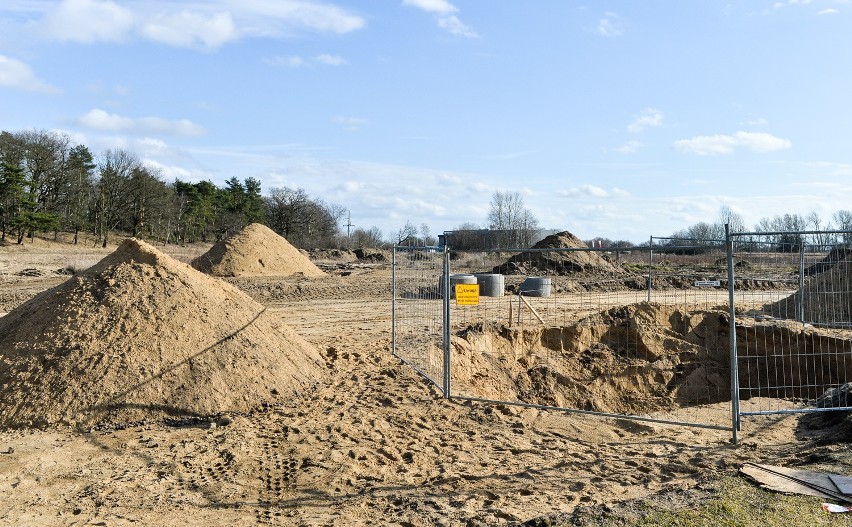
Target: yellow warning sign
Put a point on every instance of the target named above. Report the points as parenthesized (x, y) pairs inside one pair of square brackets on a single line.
[(467, 294)]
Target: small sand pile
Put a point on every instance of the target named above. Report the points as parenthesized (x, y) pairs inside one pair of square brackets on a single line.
[(255, 250), (333, 255), (373, 255), (138, 336), (589, 263)]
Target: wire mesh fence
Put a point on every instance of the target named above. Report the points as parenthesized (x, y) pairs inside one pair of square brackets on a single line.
[(418, 310), (794, 322), (643, 333), (580, 329)]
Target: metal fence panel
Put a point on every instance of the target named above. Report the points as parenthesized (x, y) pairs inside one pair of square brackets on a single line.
[(418, 310), (793, 321), (574, 329)]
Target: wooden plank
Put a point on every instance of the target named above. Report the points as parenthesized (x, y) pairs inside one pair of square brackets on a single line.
[(534, 312)]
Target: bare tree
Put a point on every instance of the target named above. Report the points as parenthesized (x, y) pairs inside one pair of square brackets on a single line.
[(302, 220), (843, 218), (114, 189), (367, 238), (822, 238), (405, 234), (786, 229), (426, 235), (733, 219), (514, 223)]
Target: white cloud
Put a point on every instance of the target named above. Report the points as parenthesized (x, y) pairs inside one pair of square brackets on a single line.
[(98, 119), (352, 123), (296, 61), (829, 11), (173, 172), (456, 27), (446, 19), (18, 75), (584, 191), (707, 145), (608, 26), (836, 169), (648, 118), (272, 17), (88, 21), (292, 61), (450, 179), (331, 60), (206, 25), (757, 122), (630, 147), (442, 7), (190, 30)]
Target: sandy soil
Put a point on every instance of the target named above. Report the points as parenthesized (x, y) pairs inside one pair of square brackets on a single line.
[(375, 445)]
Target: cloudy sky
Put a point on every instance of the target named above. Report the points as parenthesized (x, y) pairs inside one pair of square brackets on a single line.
[(621, 119)]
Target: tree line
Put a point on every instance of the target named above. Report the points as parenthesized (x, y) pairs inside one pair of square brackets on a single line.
[(49, 184), (782, 232)]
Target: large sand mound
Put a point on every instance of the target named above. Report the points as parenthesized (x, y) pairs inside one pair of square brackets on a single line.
[(559, 262), (141, 335), (255, 250)]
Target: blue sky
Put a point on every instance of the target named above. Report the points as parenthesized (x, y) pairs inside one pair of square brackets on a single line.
[(619, 119)]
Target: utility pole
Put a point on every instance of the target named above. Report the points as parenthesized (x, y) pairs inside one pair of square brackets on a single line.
[(348, 227)]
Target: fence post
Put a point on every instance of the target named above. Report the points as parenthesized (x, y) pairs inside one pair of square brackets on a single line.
[(732, 328), (446, 271), (650, 265), (393, 302), (800, 304)]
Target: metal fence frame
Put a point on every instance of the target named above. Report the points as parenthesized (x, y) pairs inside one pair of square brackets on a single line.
[(422, 285), (439, 282), (805, 387)]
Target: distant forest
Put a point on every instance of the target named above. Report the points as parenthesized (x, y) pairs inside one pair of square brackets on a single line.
[(48, 184)]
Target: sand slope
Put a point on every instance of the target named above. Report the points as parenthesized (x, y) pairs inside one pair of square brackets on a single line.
[(255, 250), (141, 335)]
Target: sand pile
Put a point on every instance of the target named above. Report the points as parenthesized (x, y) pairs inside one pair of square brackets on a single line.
[(643, 358), (373, 255), (634, 359), (824, 299), (255, 250), (589, 263), (140, 335), (837, 254)]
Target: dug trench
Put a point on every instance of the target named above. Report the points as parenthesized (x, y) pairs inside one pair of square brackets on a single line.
[(646, 358)]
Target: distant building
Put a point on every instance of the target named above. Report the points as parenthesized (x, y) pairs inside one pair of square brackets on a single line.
[(488, 239)]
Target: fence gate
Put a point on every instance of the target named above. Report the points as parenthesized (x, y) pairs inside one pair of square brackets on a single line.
[(419, 310), (579, 329), (793, 301)]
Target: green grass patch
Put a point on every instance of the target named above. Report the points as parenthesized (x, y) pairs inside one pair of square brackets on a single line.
[(733, 502)]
